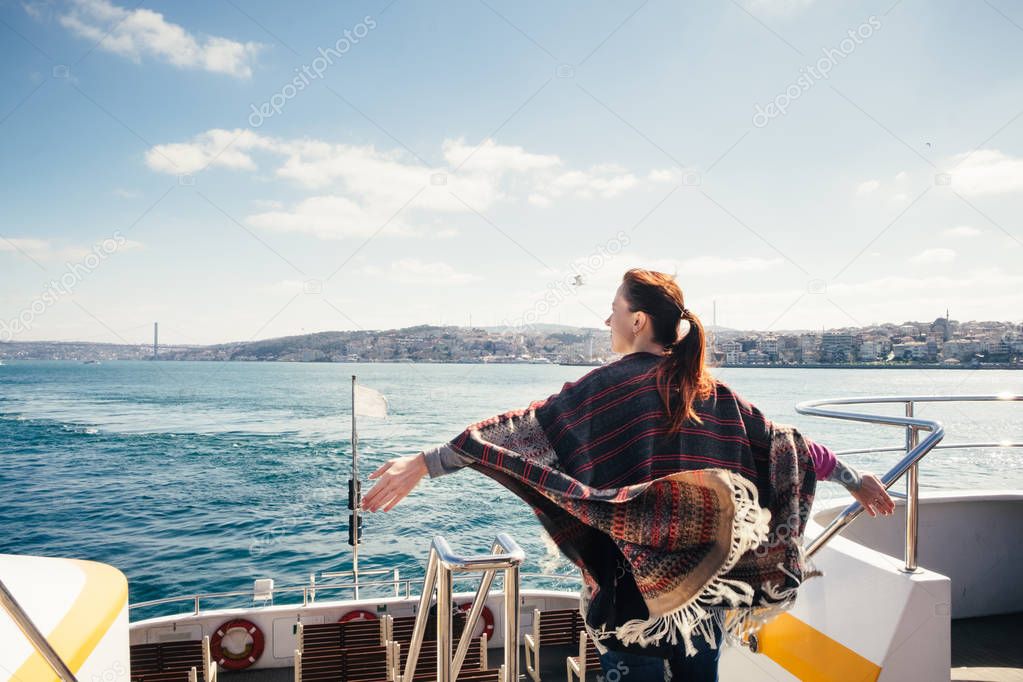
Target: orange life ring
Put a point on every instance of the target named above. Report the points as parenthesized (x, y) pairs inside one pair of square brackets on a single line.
[(357, 614), (488, 619), (232, 660)]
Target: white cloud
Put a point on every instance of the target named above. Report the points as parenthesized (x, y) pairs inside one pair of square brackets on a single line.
[(36, 248), (47, 250), (137, 33), (607, 277), (867, 187), (78, 253), (268, 203), (216, 147), (901, 175), (36, 10), (333, 217), (986, 171), (603, 181), (961, 231), (361, 187), (595, 182), (329, 217), (966, 285), (477, 178), (934, 256), (375, 176), (494, 158), (889, 298), (415, 271), (665, 175), (125, 193)]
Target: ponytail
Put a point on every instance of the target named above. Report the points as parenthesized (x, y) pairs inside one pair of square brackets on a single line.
[(683, 371)]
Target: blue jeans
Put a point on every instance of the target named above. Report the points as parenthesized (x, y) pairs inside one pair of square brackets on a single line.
[(618, 666)]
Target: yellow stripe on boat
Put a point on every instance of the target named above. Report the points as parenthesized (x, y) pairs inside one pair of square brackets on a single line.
[(102, 598), (811, 655)]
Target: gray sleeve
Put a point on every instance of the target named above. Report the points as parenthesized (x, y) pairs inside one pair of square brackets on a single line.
[(444, 460), (846, 475)]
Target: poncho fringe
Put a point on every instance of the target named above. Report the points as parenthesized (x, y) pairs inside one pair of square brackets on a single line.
[(749, 529)]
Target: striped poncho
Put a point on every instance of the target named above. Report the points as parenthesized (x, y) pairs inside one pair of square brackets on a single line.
[(669, 530)]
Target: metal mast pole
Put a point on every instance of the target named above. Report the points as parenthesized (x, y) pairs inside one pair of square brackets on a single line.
[(355, 500)]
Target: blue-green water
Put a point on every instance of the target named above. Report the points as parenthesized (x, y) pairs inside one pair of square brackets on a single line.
[(199, 477)]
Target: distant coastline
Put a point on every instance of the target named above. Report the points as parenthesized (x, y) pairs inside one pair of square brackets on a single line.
[(941, 344), (996, 366), (875, 366)]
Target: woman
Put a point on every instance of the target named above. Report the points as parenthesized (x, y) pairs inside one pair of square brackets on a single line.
[(650, 429)]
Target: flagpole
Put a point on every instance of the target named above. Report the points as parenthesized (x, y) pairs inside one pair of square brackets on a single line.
[(354, 500)]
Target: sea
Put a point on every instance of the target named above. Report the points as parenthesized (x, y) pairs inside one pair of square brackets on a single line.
[(200, 477)]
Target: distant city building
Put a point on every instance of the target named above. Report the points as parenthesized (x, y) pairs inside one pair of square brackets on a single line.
[(942, 327), (872, 350), (809, 348), (910, 350), (837, 347)]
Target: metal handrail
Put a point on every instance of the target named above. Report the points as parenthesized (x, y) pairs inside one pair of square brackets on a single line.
[(355, 573), (309, 590), (915, 450), (33, 635), (939, 446), (440, 566)]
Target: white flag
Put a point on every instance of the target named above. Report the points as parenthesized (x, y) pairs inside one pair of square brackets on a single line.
[(369, 403)]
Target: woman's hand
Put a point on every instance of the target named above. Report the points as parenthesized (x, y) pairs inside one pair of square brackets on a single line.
[(873, 497), (397, 478)]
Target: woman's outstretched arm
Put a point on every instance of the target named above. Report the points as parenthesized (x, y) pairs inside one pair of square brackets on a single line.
[(444, 459), (516, 429), (866, 488), (400, 476)]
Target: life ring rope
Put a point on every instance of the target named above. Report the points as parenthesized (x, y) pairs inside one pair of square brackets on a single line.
[(486, 614), (237, 660), (357, 615)]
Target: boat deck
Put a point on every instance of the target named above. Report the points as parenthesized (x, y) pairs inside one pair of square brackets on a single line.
[(552, 667), (988, 649), (983, 650)]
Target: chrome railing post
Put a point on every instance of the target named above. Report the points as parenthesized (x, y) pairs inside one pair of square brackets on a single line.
[(32, 634), (443, 623), (421, 614), (511, 622), (474, 612), (937, 432), (443, 563), (912, 496), (915, 450)]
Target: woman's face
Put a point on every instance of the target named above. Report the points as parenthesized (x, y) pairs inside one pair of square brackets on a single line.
[(621, 322)]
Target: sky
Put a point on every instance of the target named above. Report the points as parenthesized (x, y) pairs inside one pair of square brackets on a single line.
[(244, 170)]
